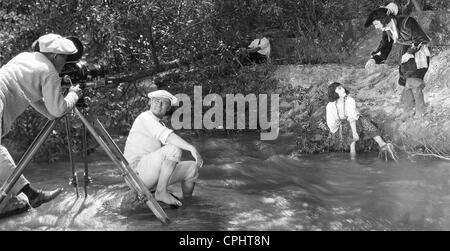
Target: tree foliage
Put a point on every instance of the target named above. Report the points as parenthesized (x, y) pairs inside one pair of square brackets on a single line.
[(199, 37)]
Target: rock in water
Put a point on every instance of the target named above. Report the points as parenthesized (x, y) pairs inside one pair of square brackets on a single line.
[(129, 203), (14, 205), (126, 202)]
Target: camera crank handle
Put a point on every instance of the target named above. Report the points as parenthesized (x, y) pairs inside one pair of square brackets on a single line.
[(67, 80)]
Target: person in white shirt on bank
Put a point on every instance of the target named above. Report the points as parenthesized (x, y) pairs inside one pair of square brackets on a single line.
[(32, 78), (154, 152), (257, 52)]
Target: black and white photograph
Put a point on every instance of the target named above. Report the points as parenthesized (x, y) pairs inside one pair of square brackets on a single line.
[(225, 121)]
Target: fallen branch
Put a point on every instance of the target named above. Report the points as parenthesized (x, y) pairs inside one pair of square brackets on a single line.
[(428, 155), (429, 151)]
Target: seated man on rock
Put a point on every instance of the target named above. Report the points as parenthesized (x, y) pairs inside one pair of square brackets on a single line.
[(154, 152)]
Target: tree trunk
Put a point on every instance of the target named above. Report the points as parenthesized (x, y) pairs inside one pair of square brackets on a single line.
[(152, 43)]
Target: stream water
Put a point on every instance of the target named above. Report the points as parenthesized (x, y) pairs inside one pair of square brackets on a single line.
[(247, 184)]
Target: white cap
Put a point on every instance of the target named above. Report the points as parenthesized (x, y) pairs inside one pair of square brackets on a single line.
[(54, 43), (163, 94)]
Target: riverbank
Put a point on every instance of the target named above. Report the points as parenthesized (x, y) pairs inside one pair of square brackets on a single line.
[(303, 99)]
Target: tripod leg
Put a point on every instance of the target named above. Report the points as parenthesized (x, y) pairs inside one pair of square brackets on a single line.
[(87, 179), (108, 139), (130, 176), (26, 159), (74, 179)]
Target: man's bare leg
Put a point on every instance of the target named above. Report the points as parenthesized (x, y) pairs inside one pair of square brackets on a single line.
[(185, 173), (161, 193), (188, 188)]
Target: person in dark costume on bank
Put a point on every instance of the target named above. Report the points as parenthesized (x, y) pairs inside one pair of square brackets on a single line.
[(415, 60)]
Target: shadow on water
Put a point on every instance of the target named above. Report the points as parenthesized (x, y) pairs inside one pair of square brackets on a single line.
[(247, 184)]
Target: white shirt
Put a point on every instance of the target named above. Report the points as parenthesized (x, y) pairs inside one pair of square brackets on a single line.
[(146, 136), (27, 78), (347, 111), (263, 43), (393, 29)]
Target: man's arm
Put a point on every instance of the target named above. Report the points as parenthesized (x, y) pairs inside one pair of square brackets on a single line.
[(40, 107), (418, 36), (254, 46), (255, 49), (176, 140), (56, 104), (383, 50)]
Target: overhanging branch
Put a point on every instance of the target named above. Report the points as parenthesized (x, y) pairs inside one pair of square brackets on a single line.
[(133, 77), (148, 72)]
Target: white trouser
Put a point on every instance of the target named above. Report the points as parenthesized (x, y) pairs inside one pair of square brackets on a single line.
[(7, 164), (148, 168)]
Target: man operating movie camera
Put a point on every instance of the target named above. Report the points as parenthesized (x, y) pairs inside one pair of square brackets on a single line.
[(33, 78)]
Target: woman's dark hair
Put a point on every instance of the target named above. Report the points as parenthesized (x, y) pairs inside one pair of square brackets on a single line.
[(379, 14), (332, 95)]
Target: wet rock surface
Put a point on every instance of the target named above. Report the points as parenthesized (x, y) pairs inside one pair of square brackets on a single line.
[(13, 206)]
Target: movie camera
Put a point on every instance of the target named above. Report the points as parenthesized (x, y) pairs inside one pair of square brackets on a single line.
[(84, 74)]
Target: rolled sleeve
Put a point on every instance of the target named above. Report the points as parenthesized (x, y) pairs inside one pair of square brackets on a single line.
[(264, 43), (56, 104), (332, 118), (156, 129), (384, 49), (351, 110), (254, 44), (164, 135)]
